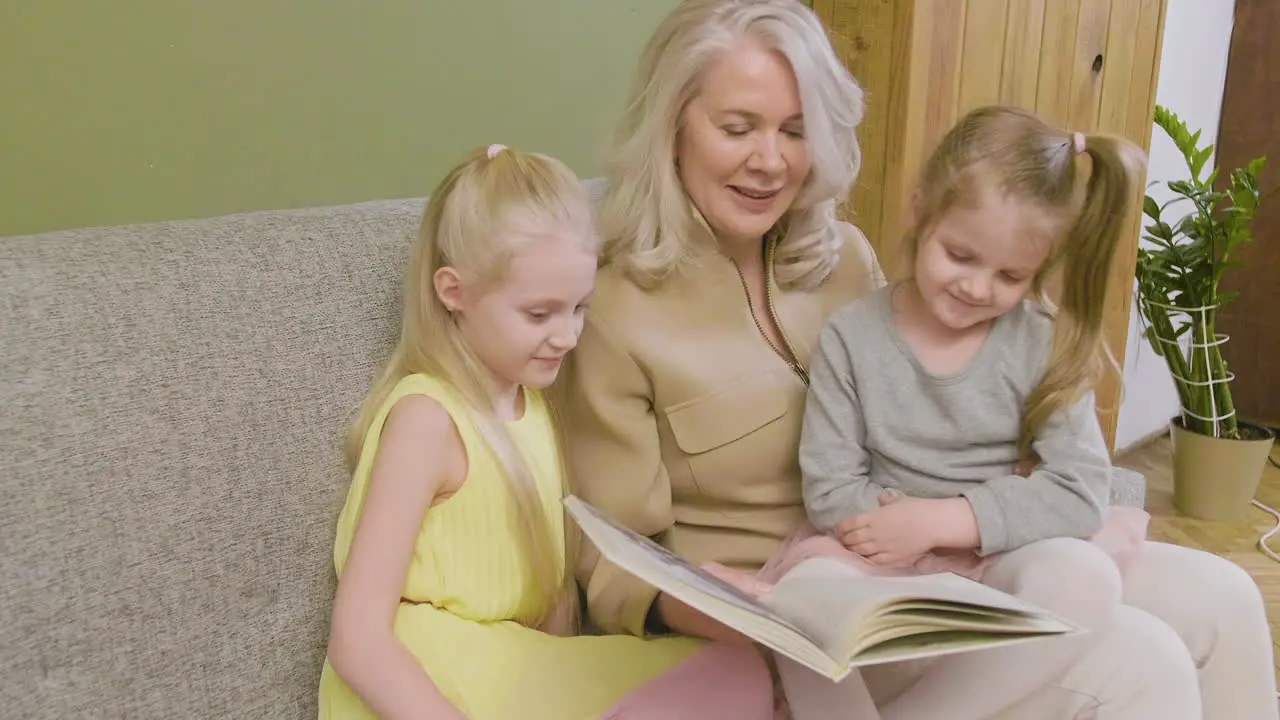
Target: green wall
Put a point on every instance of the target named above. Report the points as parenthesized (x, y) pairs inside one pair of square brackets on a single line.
[(160, 109)]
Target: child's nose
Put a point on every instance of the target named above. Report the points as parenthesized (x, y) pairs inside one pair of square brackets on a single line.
[(564, 337), (978, 287)]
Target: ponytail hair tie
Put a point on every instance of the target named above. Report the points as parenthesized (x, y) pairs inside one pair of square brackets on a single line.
[(1077, 142), (494, 149)]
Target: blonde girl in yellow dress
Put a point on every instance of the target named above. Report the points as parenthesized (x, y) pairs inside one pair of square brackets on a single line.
[(451, 549)]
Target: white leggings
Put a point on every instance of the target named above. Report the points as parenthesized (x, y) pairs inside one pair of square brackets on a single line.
[(1187, 615)]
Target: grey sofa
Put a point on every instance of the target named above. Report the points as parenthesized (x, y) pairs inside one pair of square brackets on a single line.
[(174, 397)]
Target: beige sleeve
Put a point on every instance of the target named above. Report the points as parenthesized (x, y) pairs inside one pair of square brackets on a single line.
[(859, 247), (614, 463)]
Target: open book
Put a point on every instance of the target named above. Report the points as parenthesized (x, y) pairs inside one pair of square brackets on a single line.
[(826, 615)]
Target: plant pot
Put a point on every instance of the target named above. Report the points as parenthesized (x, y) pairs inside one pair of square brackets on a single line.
[(1216, 478)]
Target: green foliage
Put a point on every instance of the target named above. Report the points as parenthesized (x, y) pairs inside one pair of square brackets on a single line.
[(1182, 269)]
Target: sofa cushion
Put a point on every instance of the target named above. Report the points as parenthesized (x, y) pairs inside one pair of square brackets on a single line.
[(175, 396)]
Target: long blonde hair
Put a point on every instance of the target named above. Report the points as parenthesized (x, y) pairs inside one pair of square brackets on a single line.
[(646, 218), (1012, 151), (474, 222)]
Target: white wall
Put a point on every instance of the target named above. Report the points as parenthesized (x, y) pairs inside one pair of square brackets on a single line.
[(1193, 68)]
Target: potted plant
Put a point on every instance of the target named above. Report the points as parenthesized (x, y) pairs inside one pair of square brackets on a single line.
[(1218, 458)]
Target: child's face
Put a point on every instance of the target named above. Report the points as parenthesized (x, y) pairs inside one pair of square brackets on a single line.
[(522, 326), (977, 263)]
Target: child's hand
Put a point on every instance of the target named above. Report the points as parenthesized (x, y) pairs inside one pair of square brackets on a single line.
[(1025, 466), (897, 534)]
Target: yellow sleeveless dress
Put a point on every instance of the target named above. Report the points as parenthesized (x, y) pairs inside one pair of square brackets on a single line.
[(464, 586)]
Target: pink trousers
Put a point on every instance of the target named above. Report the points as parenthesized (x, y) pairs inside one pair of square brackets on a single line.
[(1081, 580), (1123, 533), (720, 680)]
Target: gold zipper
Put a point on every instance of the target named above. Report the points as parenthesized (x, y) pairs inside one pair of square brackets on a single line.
[(789, 357)]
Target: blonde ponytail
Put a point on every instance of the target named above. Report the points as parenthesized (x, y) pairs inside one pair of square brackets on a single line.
[(1080, 355)]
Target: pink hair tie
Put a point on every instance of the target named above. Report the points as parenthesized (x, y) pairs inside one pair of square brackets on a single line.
[(496, 148), (1077, 142)]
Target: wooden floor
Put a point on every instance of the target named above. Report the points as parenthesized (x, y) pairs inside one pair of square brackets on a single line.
[(1235, 541)]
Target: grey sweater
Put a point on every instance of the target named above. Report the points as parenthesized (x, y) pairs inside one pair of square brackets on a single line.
[(875, 419)]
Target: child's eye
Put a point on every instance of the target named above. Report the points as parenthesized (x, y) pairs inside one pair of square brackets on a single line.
[(537, 315), (958, 257), (736, 131)]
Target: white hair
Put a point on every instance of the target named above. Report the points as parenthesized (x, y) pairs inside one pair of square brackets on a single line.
[(646, 218)]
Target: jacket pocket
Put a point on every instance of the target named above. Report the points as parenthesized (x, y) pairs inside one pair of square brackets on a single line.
[(725, 416)]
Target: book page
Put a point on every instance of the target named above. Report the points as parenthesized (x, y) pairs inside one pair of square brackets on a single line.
[(858, 590), (841, 608), (699, 589), (937, 644)]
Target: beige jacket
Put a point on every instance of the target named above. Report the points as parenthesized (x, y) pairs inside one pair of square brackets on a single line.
[(683, 423)]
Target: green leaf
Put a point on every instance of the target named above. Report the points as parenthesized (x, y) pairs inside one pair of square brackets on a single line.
[(1151, 208), (1198, 159)]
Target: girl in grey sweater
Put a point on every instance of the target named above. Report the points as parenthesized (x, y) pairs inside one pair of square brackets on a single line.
[(928, 397)]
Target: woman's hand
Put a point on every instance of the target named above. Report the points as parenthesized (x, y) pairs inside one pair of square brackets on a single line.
[(904, 529), (745, 582), (686, 620)]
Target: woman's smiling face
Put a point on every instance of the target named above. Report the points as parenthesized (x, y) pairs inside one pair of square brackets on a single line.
[(741, 149)]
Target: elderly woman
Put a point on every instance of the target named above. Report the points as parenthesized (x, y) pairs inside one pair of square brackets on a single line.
[(683, 401)]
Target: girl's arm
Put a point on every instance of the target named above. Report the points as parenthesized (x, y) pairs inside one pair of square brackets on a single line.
[(833, 458), (420, 458), (1064, 496)]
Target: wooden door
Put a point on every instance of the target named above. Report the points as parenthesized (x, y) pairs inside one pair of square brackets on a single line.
[(1085, 65), (1250, 127)]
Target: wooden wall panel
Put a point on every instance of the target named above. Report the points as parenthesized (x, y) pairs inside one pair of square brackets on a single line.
[(1023, 35), (863, 35), (944, 38), (906, 113), (1057, 44), (1120, 59), (923, 108), (982, 59), (1087, 66)]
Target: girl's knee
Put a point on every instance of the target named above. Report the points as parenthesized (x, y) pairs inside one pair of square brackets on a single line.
[(1231, 588), (1219, 608), (1193, 588), (1151, 651), (1074, 578)]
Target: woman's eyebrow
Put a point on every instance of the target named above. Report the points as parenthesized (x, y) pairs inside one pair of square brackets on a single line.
[(750, 115)]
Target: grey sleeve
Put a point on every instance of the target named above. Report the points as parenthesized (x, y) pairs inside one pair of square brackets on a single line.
[(833, 458), (1064, 497)]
